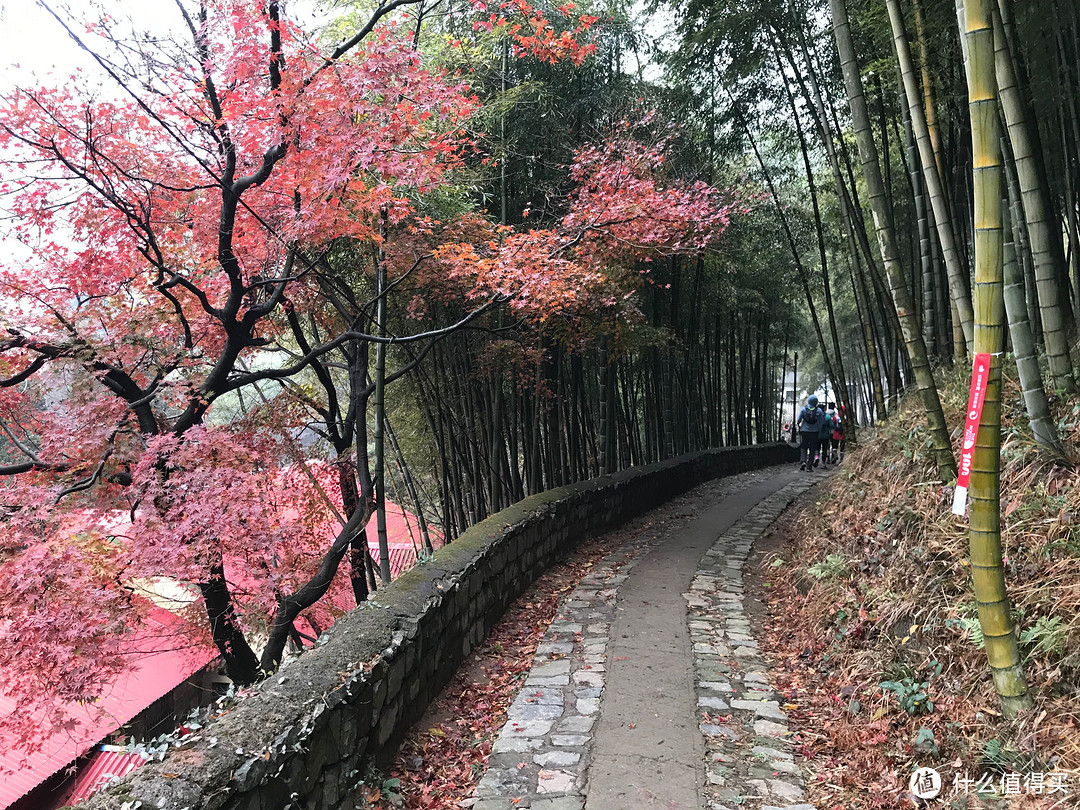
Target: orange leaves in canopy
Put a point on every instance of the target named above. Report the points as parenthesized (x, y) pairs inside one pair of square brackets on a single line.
[(528, 268), (624, 209), (533, 34)]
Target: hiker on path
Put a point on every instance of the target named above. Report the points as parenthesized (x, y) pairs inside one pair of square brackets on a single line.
[(836, 438), (809, 422), (824, 436)]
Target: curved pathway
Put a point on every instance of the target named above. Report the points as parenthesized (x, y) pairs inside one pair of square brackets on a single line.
[(647, 690)]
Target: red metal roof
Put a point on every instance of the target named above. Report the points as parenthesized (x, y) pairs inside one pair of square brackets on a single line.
[(154, 671), (109, 763), (402, 555)]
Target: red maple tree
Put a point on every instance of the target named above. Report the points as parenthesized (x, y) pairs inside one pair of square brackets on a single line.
[(209, 235)]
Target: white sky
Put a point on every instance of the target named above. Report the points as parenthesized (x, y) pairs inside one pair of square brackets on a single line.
[(24, 34), (33, 46), (31, 39)]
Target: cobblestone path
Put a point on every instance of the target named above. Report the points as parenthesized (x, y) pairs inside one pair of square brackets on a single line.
[(727, 748)]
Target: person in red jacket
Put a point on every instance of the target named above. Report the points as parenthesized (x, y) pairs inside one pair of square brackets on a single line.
[(837, 443)]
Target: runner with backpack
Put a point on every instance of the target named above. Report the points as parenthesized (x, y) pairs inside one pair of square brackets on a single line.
[(809, 422)]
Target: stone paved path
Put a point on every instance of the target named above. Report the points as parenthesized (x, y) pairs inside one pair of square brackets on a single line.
[(749, 761), (685, 718)]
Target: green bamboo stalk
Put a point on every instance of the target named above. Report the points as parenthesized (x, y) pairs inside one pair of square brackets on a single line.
[(926, 257), (1027, 358), (935, 186), (1045, 243), (929, 105), (901, 295), (984, 530), (605, 393)]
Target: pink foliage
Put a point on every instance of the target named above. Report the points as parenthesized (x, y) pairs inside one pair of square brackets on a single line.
[(138, 310)]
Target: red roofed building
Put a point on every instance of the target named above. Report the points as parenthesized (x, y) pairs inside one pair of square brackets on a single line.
[(166, 678), (147, 687), (109, 762)]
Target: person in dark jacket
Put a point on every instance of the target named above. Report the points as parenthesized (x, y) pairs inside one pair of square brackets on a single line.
[(824, 436), (809, 422)]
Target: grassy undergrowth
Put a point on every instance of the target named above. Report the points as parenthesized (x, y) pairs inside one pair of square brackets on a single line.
[(885, 649)]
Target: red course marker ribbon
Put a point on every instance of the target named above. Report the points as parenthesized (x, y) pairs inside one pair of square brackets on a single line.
[(979, 374)]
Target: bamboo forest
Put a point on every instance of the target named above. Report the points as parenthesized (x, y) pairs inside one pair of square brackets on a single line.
[(494, 404)]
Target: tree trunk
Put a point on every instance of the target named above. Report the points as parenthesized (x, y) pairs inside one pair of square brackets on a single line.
[(241, 665), (289, 607)]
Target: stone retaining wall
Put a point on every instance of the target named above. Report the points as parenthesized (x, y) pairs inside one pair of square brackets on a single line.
[(304, 738)]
